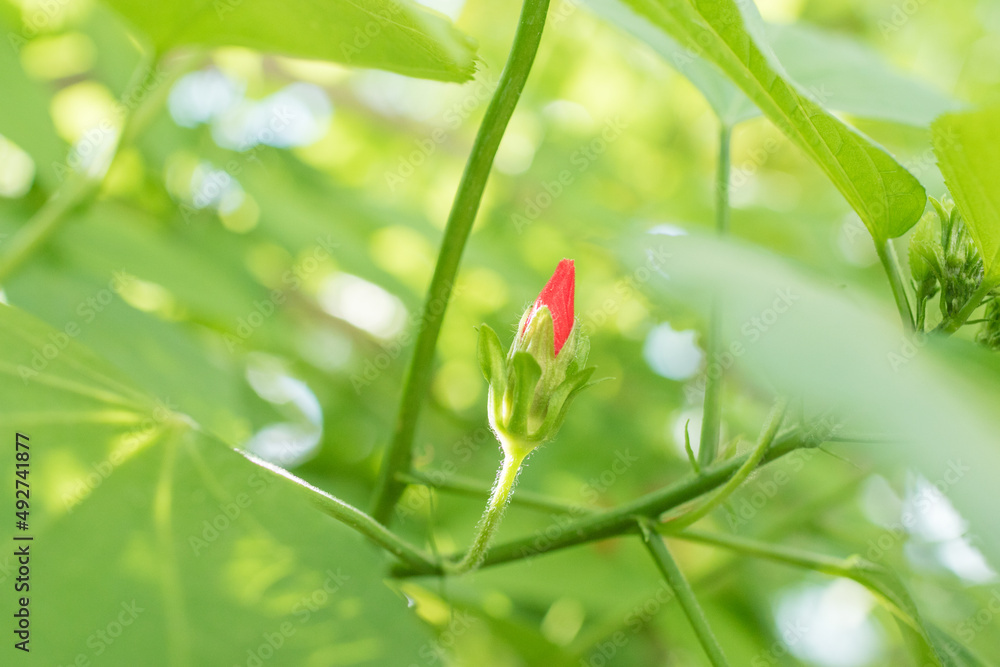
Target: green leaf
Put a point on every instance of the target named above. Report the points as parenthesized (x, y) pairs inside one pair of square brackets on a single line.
[(847, 76), (842, 73), (207, 556), (964, 145), (887, 198), (396, 35), (933, 400)]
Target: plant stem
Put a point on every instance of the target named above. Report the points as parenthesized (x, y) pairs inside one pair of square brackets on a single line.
[(887, 255), (879, 580), (488, 525), (679, 585), (463, 214), (711, 416), (469, 487), (764, 442), (353, 518), (953, 324), (789, 556), (620, 520)]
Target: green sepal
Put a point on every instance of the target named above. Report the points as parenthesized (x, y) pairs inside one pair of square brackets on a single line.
[(492, 360), (559, 403), (525, 375)]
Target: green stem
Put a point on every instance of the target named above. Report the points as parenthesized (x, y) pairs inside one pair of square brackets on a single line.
[(880, 581), (787, 555), (465, 486), (887, 255), (711, 418), (463, 214), (354, 518), (491, 518), (953, 324), (679, 585), (764, 442), (621, 520)]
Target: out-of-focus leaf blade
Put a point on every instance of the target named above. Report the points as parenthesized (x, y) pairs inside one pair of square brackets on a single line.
[(933, 399), (396, 35), (965, 145), (184, 548)]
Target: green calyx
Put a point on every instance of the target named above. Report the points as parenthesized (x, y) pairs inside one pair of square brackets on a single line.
[(531, 387)]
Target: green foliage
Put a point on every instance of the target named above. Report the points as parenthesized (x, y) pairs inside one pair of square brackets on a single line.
[(397, 35), (963, 145), (888, 198), (224, 342), (175, 526)]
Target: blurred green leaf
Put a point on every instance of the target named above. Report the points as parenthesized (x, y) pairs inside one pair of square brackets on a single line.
[(194, 554), (838, 349), (396, 35), (888, 198), (965, 147), (24, 116)]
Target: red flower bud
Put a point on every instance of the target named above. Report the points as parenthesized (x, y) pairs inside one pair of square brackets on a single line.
[(557, 296)]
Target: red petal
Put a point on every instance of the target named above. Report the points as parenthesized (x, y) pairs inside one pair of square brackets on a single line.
[(557, 295)]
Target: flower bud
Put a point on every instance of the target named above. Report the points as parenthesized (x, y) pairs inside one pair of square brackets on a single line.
[(533, 384)]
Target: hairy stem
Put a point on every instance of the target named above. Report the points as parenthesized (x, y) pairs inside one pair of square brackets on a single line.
[(711, 416), (465, 486), (621, 520), (463, 213), (679, 585), (499, 498)]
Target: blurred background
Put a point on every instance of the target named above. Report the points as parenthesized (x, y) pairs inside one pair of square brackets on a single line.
[(260, 242)]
